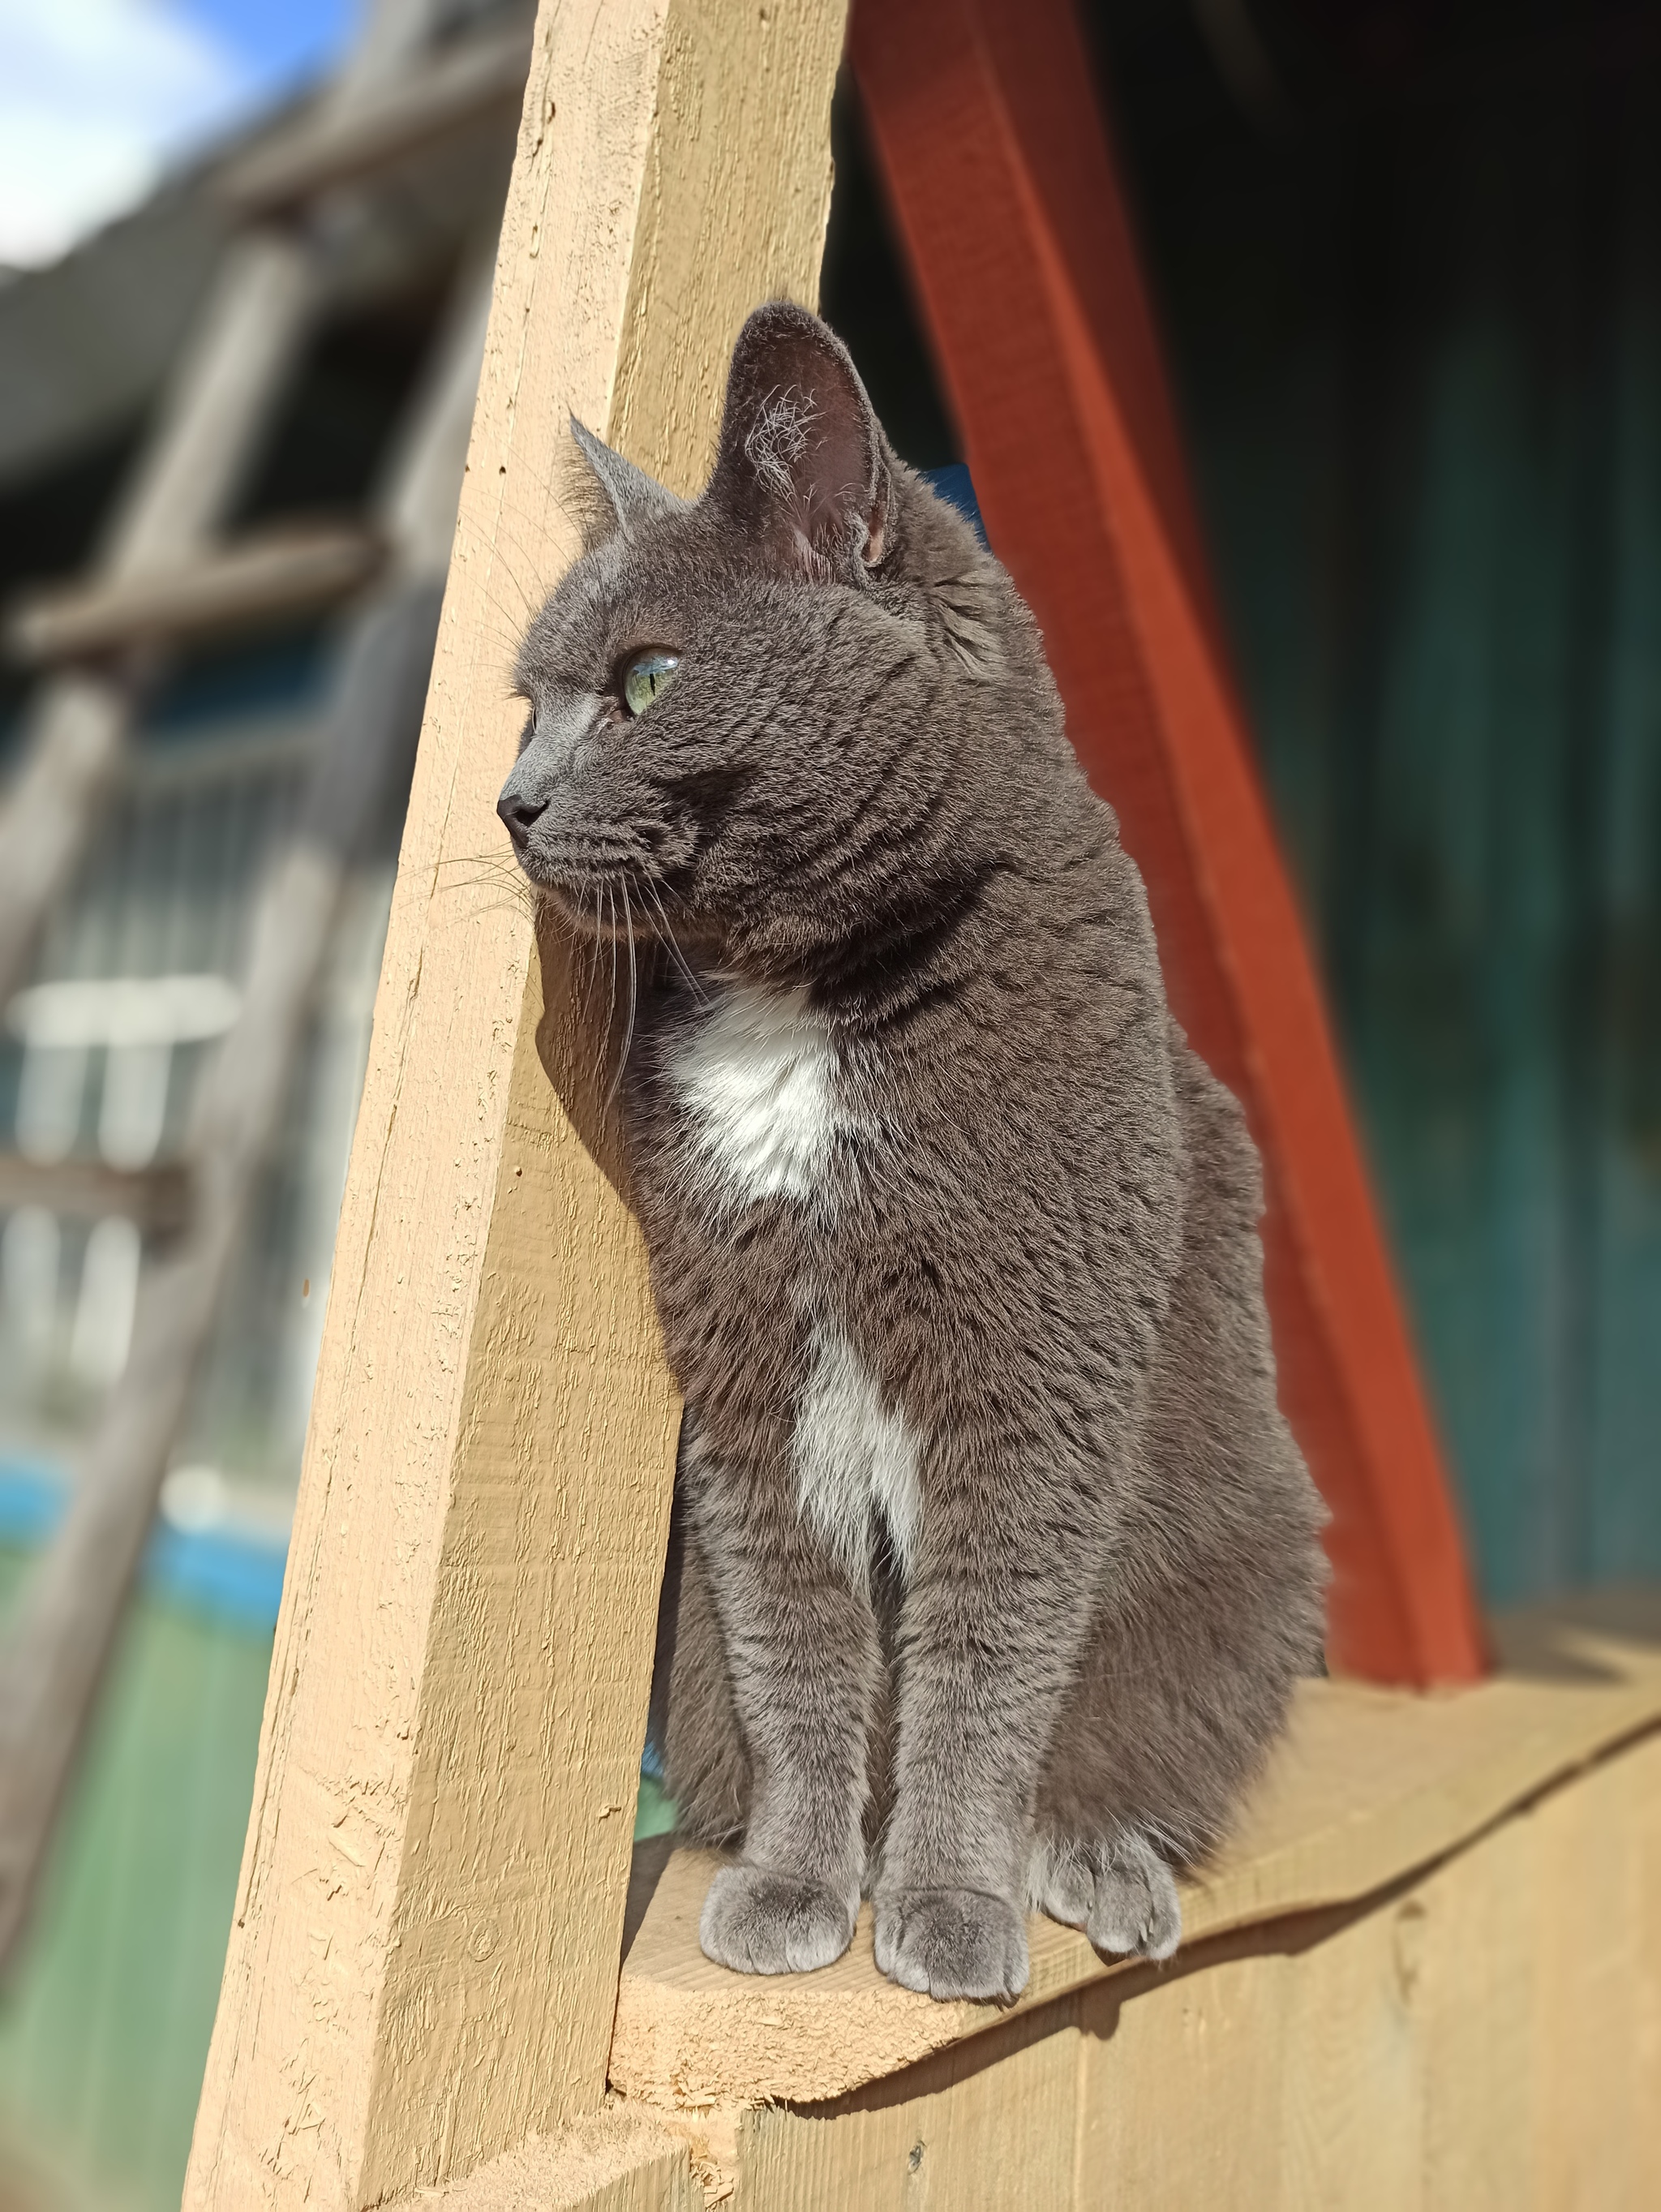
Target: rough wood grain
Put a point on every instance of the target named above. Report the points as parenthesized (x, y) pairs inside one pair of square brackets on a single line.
[(1369, 1785), (1453, 2044), (424, 1959), (618, 2160), (1422, 2055), (957, 2134)]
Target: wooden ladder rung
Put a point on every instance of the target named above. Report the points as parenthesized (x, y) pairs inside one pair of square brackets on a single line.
[(333, 148), (154, 1199), (279, 572)]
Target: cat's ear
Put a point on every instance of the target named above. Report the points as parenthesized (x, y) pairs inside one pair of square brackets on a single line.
[(801, 465), (629, 496)]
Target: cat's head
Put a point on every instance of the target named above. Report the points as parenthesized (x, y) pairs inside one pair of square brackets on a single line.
[(736, 725)]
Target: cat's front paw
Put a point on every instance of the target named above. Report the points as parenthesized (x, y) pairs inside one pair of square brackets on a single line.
[(761, 1922), (1136, 1912), (952, 1943)]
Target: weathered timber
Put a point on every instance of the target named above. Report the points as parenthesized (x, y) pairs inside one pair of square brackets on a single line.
[(423, 1963), (617, 2160), (1409, 2007)]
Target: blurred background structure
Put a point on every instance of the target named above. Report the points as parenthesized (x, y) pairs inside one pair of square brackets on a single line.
[(1408, 263)]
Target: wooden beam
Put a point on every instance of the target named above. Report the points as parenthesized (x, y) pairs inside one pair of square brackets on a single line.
[(436, 95), (423, 1963), (277, 571), (1004, 193), (1464, 2038)]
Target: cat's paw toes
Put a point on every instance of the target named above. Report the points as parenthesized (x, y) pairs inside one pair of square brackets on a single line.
[(1061, 1882), (952, 1943), (1136, 1911), (761, 1922)]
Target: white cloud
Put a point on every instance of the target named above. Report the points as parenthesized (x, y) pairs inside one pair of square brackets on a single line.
[(95, 97)]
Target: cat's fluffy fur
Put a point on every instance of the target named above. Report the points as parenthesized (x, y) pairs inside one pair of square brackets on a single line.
[(993, 1559)]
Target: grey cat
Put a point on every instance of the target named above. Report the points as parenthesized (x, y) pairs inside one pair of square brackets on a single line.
[(993, 1560)]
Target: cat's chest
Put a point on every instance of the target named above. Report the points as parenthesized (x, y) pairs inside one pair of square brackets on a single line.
[(762, 1099), (759, 1094)]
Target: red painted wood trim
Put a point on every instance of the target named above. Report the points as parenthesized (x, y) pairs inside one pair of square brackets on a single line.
[(999, 176)]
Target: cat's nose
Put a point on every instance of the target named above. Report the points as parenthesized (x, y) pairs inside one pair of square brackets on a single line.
[(517, 813)]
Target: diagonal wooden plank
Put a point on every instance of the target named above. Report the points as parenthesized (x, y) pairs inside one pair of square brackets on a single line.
[(423, 1965), (1003, 188)]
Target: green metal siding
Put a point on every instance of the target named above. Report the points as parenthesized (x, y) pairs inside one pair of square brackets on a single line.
[(104, 2020), (1419, 355), (104, 2026)]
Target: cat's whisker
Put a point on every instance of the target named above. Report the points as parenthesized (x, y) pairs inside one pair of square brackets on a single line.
[(516, 617), (628, 1031), (502, 537), (489, 863), (595, 936), (506, 894), (582, 927), (666, 936), (602, 915), (680, 897), (487, 871), (489, 906), (499, 561)]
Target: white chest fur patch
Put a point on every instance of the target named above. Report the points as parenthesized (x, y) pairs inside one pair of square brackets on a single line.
[(855, 1458), (757, 1072)]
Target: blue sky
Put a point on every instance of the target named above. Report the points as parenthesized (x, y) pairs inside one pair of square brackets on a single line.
[(275, 41), (97, 97)]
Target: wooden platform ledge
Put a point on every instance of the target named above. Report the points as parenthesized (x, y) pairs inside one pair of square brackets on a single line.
[(1372, 1787)]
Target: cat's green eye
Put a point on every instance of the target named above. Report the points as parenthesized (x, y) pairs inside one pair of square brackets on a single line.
[(648, 676)]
